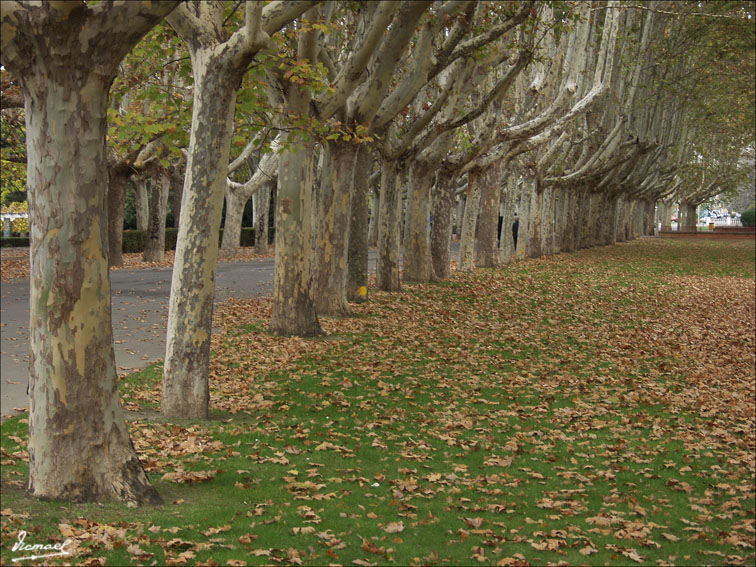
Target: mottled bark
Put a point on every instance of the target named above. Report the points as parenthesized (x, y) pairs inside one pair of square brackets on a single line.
[(469, 222), (460, 215), (141, 201), (523, 210), (487, 255), (154, 245), (418, 266), (619, 224), (262, 212), (177, 183), (509, 196), (648, 217), (441, 231), (559, 197), (293, 304), (357, 266), (571, 221), (608, 224), (118, 176), (389, 228), (375, 208), (535, 220), (218, 65), (190, 309), (665, 213), (235, 203), (547, 222), (65, 57), (332, 231)]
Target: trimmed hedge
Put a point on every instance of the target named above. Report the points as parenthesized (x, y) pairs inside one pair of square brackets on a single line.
[(14, 241), (133, 240), (748, 218)]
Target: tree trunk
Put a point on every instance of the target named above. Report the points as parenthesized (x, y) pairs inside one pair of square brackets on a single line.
[(417, 250), (235, 203), (293, 304), (547, 223), (619, 221), (262, 212), (460, 214), (333, 228), (649, 217), (118, 176), (441, 231), (525, 197), (506, 244), (597, 210), (469, 221), (375, 201), (177, 183), (608, 219), (79, 446), (581, 207), (357, 278), (666, 216), (141, 201), (557, 199), (190, 309), (488, 254), (535, 219), (389, 228), (154, 246)]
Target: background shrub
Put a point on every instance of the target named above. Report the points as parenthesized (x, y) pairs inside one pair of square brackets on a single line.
[(14, 241), (749, 217)]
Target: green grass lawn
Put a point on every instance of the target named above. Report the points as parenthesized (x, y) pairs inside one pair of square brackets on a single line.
[(595, 408)]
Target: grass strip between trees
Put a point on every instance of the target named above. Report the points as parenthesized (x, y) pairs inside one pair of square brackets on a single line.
[(594, 408)]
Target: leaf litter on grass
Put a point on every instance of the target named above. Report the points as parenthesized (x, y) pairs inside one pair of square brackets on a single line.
[(590, 408)]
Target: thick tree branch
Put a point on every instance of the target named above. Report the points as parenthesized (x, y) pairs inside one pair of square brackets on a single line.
[(357, 61), (387, 58), (279, 13)]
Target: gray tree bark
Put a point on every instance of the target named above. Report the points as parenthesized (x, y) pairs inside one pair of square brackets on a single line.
[(487, 255), (232, 224), (154, 246), (333, 230), (65, 55), (218, 65), (506, 244), (190, 309), (262, 211), (418, 265), (118, 176), (441, 231), (469, 222), (375, 201), (141, 201), (293, 302), (357, 265), (389, 228)]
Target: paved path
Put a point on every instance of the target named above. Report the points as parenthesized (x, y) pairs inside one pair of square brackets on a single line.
[(140, 311)]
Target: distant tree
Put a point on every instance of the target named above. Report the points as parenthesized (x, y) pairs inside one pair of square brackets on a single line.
[(220, 58)]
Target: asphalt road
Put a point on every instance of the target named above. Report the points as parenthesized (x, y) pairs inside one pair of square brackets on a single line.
[(140, 311)]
